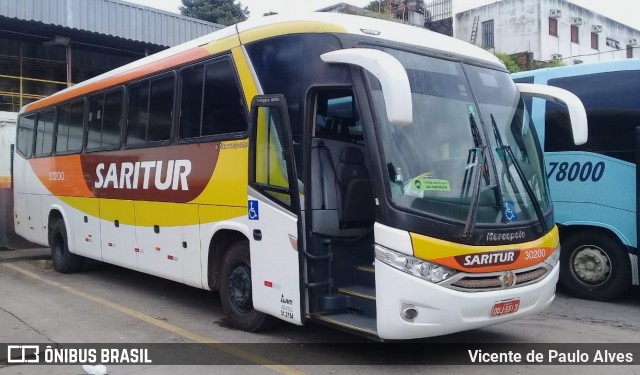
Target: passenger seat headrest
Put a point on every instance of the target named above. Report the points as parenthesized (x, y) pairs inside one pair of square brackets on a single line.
[(352, 155)]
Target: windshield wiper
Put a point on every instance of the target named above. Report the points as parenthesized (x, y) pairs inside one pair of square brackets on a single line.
[(507, 151), (479, 161), (473, 210)]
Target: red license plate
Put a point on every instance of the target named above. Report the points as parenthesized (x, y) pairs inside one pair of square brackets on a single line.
[(505, 307)]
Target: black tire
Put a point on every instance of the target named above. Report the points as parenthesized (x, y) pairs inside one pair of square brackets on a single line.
[(63, 260), (235, 290), (594, 266)]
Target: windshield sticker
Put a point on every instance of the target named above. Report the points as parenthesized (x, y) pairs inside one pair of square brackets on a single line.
[(510, 211), (425, 182)]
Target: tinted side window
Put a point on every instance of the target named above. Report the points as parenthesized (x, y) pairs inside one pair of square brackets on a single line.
[(160, 109), (138, 113), (191, 103), (224, 110), (44, 133), (150, 111), (112, 120), (613, 112), (69, 135), (290, 65), (216, 86), (94, 121), (25, 135)]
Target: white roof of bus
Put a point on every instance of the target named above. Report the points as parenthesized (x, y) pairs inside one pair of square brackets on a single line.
[(388, 30)]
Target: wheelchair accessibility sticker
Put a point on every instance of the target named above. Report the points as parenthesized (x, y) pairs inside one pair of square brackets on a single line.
[(510, 211), (254, 213)]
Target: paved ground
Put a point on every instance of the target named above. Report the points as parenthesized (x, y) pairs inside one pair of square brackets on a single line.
[(113, 305)]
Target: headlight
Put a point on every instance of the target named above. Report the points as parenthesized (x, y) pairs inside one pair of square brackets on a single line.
[(552, 260), (431, 272)]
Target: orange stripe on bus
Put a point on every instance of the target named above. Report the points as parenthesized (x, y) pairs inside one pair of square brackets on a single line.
[(61, 175), (124, 77)]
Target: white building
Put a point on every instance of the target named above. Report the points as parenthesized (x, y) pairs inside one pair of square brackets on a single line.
[(549, 29)]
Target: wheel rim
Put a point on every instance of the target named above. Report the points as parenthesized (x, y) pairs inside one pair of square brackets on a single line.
[(239, 288), (591, 265)]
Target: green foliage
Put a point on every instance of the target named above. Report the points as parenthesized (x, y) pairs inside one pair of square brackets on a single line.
[(509, 62), (378, 7), (224, 12)]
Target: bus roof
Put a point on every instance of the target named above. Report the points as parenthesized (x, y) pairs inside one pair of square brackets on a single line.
[(266, 27), (586, 68)]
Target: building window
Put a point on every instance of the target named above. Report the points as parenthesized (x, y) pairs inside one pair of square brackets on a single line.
[(575, 35), (487, 34), (553, 27), (613, 43), (629, 52), (594, 41)]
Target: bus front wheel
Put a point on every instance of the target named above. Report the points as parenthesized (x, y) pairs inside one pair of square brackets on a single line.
[(63, 260), (594, 266), (235, 290)]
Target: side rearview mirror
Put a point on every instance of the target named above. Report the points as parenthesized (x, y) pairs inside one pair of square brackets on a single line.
[(391, 74), (577, 113)]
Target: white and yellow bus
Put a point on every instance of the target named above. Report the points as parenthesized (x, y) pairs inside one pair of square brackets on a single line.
[(360, 173)]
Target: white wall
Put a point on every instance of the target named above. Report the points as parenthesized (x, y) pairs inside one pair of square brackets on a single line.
[(583, 51), (516, 25), (523, 25)]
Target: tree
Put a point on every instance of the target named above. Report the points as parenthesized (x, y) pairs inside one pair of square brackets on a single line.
[(225, 12), (509, 62), (269, 13)]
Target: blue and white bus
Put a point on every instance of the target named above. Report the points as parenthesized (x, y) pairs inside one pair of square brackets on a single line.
[(593, 186)]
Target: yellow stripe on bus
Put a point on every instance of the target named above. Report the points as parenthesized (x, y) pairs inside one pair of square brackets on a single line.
[(222, 45), (228, 184), (432, 248), (286, 28)]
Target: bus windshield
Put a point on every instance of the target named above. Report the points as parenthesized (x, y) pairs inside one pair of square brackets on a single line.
[(471, 145)]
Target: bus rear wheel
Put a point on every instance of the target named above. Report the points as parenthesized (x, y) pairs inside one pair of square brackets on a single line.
[(63, 260), (594, 266), (236, 293)]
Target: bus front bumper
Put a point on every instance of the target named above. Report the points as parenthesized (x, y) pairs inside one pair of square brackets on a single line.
[(443, 311)]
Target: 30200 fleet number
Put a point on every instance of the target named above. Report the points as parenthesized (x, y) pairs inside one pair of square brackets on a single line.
[(576, 171), (56, 176)]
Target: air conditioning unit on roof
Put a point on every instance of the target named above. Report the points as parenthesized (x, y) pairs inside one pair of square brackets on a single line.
[(596, 28), (556, 56), (576, 21), (555, 13), (632, 42)]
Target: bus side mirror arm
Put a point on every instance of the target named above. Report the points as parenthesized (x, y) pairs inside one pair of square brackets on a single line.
[(391, 74), (577, 113)]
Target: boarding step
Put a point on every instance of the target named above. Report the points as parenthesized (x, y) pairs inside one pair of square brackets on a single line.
[(351, 322), (366, 275), (361, 299)]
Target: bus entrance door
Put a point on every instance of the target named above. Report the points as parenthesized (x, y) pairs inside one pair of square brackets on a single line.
[(273, 212)]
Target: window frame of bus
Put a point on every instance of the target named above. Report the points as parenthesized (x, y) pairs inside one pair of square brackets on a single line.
[(292, 176), (149, 80), (34, 115), (214, 137), (81, 99), (54, 132), (123, 114)]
